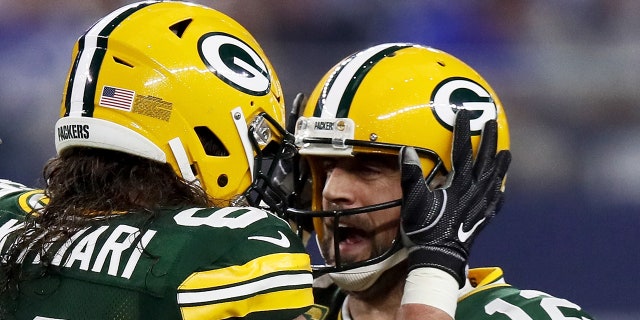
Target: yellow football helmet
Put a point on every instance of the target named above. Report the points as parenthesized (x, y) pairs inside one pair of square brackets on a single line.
[(385, 97), (178, 83)]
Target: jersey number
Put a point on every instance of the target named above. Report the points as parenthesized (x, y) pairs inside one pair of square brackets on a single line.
[(550, 305), (230, 217)]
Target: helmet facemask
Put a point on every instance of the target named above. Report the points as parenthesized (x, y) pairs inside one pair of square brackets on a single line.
[(273, 168), (316, 144)]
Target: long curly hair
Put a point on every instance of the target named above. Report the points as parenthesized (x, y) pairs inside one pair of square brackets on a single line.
[(83, 184)]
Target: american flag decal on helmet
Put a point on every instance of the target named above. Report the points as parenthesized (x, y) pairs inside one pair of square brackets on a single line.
[(117, 98)]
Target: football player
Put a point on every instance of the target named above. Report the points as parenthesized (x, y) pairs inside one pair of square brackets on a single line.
[(168, 112), (389, 136)]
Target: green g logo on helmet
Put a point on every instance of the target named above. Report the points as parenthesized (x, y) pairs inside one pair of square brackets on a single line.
[(460, 93), (235, 63)]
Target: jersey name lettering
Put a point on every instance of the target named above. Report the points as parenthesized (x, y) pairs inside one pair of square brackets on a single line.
[(118, 254)]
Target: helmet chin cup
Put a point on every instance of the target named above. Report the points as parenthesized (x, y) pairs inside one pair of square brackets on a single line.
[(362, 278)]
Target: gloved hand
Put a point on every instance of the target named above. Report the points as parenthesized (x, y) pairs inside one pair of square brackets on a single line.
[(439, 226)]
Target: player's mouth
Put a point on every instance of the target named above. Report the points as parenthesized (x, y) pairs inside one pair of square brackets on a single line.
[(352, 241)]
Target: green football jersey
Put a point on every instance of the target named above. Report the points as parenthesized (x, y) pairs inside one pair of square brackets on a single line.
[(486, 297), (192, 263), (489, 297)]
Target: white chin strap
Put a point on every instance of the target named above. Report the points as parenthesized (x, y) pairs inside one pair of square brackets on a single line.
[(182, 160), (243, 132), (362, 278)]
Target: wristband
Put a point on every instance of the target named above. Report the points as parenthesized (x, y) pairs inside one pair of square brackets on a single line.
[(432, 287)]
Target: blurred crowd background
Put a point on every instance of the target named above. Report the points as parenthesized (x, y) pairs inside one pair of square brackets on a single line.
[(567, 72)]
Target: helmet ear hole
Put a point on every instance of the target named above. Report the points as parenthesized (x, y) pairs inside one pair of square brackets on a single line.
[(211, 143), (223, 180)]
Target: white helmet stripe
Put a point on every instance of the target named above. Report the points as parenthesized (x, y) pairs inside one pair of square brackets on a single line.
[(335, 90), (83, 74)]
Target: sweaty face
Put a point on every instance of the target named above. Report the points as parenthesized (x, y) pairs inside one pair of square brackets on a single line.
[(353, 182)]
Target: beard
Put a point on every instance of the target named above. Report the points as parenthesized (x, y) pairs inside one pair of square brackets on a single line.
[(379, 242), (327, 249)]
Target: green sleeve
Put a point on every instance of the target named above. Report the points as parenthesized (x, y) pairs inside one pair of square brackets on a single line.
[(503, 302)]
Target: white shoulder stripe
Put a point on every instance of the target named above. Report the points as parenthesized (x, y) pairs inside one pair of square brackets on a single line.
[(244, 290), (9, 187)]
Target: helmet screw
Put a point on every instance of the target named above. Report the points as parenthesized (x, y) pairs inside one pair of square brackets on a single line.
[(373, 137), (237, 115)]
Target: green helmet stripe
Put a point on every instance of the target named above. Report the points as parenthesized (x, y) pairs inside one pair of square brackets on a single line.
[(340, 88)]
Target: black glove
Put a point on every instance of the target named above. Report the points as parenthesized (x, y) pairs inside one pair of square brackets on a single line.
[(439, 226)]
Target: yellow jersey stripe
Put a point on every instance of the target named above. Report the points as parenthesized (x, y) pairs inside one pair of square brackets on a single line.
[(278, 300), (256, 268), (280, 281), (216, 295), (485, 278)]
